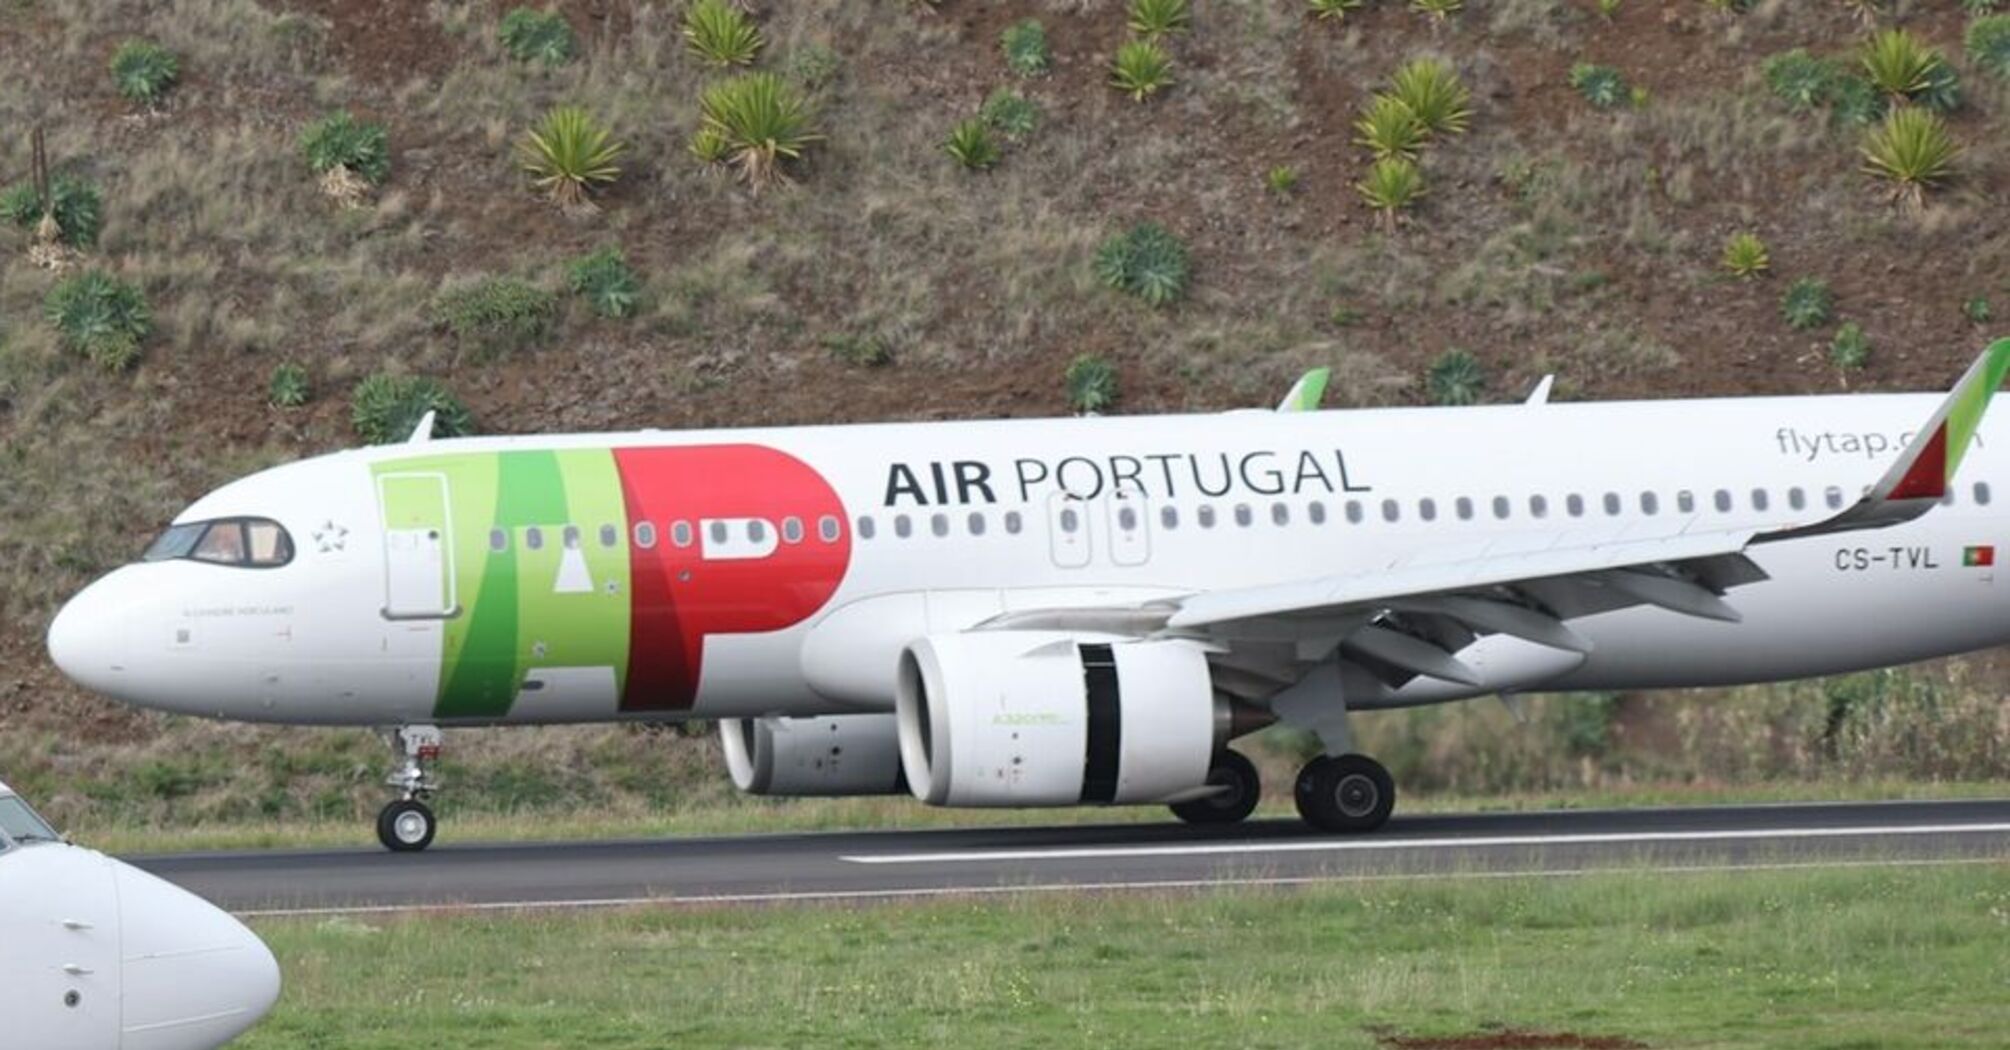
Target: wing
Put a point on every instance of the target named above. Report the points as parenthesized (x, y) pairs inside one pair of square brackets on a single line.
[(1413, 619)]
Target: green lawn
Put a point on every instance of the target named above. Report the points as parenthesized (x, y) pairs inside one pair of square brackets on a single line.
[(1885, 957)]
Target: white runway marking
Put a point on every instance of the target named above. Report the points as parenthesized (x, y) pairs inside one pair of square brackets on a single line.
[(1131, 886), (1381, 844)]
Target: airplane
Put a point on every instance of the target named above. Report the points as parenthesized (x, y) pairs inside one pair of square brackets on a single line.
[(1061, 612), (96, 954)]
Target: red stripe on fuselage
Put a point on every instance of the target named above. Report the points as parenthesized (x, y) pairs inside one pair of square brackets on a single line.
[(679, 597)]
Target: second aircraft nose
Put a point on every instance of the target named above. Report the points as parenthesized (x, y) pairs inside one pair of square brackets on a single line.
[(195, 977)]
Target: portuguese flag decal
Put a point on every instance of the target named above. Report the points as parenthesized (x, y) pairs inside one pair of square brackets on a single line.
[(1981, 557)]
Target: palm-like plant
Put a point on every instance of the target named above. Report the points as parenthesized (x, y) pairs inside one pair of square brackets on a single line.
[(1389, 128), (1438, 11), (1434, 93), (762, 122), (1155, 18), (1988, 41), (1333, 10), (568, 153), (971, 145), (718, 31), (1914, 150), (1393, 185), (1745, 255), (1602, 86), (1142, 68), (143, 71), (1866, 11), (1900, 64)]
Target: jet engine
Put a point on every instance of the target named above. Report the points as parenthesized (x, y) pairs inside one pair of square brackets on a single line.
[(1042, 718), (820, 757)]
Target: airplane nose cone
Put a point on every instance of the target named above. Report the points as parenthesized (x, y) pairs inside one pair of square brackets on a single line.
[(83, 637), (194, 977)]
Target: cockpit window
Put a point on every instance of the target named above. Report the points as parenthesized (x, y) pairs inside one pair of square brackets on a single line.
[(254, 542), (22, 825)]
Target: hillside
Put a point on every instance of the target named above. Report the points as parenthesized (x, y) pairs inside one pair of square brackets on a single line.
[(889, 282)]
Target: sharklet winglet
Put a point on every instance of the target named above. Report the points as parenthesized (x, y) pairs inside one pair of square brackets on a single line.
[(1306, 394)]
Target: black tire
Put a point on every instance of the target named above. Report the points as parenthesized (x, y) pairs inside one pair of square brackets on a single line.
[(1351, 793), (406, 826), (1238, 774)]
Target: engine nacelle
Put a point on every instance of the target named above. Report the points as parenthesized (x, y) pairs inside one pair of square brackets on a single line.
[(814, 757), (1043, 718)]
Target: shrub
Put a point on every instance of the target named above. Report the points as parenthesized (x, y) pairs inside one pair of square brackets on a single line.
[(289, 387), (1388, 128), (1856, 101), (607, 282), (144, 71), (1914, 150), (865, 351), (1980, 7), (100, 317), (1010, 114), (1025, 47), (1282, 179), (1154, 18), (971, 145), (1977, 310), (1808, 303), (1433, 92), (762, 122), (812, 65), (77, 210), (1607, 9), (1850, 349), (1898, 63), (1147, 261), (540, 36), (1437, 10), (1142, 68), (387, 408), (1333, 10), (1602, 86), (1801, 80), (1866, 11), (568, 153), (1393, 186), (1989, 44), (339, 140), (716, 30), (1456, 378), (1745, 255), (1092, 384), (496, 314)]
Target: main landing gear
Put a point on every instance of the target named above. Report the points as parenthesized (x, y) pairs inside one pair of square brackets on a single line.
[(407, 824), (1345, 793)]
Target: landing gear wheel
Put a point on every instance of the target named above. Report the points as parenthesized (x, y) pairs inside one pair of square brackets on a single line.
[(1349, 793), (406, 826), (1244, 789)]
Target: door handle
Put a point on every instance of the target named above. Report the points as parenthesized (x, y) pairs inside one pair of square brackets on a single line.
[(77, 971), (76, 924)]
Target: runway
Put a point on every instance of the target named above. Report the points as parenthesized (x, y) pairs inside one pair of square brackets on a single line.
[(858, 866)]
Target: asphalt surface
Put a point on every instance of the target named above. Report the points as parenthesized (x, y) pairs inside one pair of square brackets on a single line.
[(887, 864)]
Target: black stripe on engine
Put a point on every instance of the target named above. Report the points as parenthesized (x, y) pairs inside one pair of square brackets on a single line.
[(1106, 721)]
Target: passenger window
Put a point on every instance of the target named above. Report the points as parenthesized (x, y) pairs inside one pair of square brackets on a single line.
[(1205, 515), (828, 528), (1759, 499), (1501, 507), (1391, 510), (533, 538), (757, 531), (1280, 514), (221, 544), (903, 526), (1127, 519), (1070, 521), (1723, 501), (1685, 501), (1354, 511), (1427, 509), (718, 531), (976, 523), (1013, 523), (1796, 498), (1538, 507), (1611, 502), (1463, 507), (498, 540), (1242, 515), (1650, 503), (645, 535), (865, 527), (1981, 493), (681, 533), (1317, 512), (792, 530), (938, 524), (1573, 504), (1169, 516), (609, 536), (1833, 496), (572, 537)]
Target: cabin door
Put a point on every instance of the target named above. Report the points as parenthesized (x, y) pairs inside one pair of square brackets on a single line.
[(419, 579)]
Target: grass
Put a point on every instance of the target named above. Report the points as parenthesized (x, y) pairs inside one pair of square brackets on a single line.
[(1887, 957)]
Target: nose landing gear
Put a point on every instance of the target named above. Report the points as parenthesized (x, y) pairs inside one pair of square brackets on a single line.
[(407, 824)]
